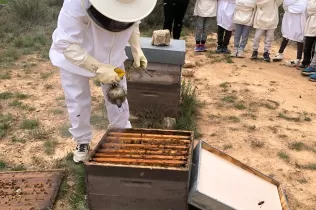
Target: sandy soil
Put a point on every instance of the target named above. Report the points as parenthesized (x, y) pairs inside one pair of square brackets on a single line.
[(253, 111)]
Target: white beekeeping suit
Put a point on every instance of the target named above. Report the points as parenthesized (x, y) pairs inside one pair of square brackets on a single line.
[(295, 15), (90, 41), (225, 14)]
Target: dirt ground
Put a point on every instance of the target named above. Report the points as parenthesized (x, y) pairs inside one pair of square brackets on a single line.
[(262, 114)]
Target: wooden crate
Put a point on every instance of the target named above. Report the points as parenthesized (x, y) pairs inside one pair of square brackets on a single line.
[(140, 169), (240, 187)]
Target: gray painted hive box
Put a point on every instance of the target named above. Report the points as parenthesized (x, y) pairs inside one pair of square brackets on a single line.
[(162, 91), (140, 169), (221, 182)]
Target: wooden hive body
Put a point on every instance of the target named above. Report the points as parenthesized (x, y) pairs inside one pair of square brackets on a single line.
[(162, 91), (113, 184)]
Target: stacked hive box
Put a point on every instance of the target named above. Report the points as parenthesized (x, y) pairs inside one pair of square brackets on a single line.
[(162, 91), (140, 169)]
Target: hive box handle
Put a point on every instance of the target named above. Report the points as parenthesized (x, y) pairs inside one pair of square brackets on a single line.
[(136, 183)]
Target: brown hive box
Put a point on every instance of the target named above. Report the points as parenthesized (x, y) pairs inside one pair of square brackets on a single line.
[(140, 169)]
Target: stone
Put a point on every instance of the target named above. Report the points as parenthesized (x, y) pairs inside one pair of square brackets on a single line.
[(161, 38), (169, 123), (71, 183), (189, 64), (188, 72)]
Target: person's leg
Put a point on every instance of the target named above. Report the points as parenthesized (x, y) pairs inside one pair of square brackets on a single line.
[(198, 32), (220, 36), (205, 30), (244, 40), (279, 55), (118, 117), (179, 12), (268, 44), (256, 42), (168, 14), (78, 100), (311, 69), (238, 32), (308, 45), (284, 43), (227, 36)]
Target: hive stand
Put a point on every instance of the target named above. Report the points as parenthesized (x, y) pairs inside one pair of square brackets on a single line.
[(162, 91)]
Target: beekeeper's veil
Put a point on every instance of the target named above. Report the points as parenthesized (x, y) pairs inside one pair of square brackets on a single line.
[(118, 15)]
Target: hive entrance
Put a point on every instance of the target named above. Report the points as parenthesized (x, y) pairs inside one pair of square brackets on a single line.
[(144, 149)]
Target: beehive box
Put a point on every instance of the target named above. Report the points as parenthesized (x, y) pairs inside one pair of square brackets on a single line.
[(221, 182), (162, 90), (140, 169)]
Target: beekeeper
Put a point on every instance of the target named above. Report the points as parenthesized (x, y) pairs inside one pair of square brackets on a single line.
[(295, 15), (225, 23), (90, 41)]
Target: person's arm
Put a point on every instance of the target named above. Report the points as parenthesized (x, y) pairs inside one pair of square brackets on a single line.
[(72, 22), (137, 52)]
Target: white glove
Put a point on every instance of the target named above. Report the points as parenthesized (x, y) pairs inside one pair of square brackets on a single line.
[(137, 52), (106, 73)]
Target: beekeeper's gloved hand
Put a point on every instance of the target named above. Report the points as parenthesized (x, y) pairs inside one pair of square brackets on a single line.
[(106, 73), (139, 58)]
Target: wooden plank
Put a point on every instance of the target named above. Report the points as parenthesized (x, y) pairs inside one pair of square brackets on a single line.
[(140, 161), (147, 146), (113, 139), (283, 200), (148, 152), (144, 135), (147, 157)]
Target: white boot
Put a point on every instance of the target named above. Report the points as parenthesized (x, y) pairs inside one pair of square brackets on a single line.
[(81, 153), (278, 57), (293, 63), (234, 53), (240, 53)]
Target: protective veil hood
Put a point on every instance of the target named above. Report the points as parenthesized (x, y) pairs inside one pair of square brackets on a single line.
[(126, 11)]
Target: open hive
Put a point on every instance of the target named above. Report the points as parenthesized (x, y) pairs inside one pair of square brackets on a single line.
[(140, 169)]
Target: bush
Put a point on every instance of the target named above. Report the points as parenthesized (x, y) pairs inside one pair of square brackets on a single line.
[(33, 11)]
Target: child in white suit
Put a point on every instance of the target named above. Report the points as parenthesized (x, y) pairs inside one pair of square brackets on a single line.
[(204, 10), (293, 24), (243, 19), (225, 22), (265, 22)]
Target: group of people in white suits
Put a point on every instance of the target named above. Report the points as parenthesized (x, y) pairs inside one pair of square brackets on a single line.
[(240, 16)]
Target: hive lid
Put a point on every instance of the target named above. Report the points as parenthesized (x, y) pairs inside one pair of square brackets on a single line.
[(221, 182), (29, 189), (150, 148), (172, 54)]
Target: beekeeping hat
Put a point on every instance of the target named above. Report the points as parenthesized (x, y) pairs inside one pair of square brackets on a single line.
[(126, 11)]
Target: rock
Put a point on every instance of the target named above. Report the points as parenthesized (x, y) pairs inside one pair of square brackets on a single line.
[(188, 72), (71, 183), (189, 64), (169, 123), (161, 38)]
